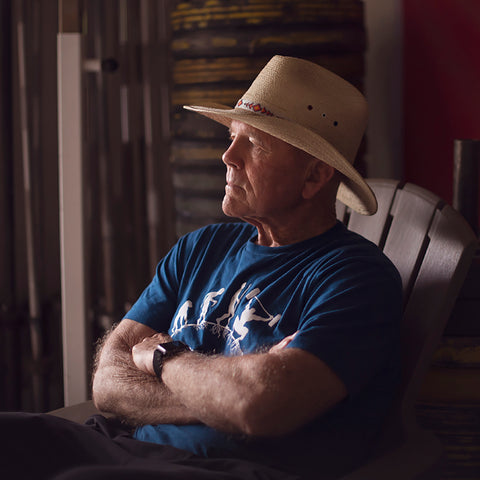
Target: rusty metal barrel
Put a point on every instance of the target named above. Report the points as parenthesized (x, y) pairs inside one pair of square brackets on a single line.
[(218, 47)]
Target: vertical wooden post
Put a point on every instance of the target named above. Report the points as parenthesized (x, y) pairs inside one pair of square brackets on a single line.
[(70, 137), (466, 180)]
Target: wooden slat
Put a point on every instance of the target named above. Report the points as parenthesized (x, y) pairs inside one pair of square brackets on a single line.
[(268, 41), (200, 181), (412, 213), (197, 15), (372, 227), (246, 68), (186, 125), (226, 94), (192, 153), (341, 211)]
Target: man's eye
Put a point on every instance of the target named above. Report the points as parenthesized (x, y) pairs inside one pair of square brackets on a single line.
[(258, 145)]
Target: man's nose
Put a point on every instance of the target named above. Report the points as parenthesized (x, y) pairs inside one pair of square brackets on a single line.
[(232, 156)]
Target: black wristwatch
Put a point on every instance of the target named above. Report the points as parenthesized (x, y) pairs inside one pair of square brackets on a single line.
[(164, 351)]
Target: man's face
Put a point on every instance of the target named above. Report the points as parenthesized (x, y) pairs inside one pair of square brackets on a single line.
[(265, 176)]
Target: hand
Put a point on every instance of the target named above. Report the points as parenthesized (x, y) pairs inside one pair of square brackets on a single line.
[(142, 353), (282, 344)]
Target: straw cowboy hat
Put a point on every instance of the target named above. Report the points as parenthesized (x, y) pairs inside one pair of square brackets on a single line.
[(312, 109)]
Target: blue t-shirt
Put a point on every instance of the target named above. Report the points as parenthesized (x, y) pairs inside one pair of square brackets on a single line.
[(220, 292)]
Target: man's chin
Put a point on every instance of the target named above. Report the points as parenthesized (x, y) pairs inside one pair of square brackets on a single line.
[(230, 209), (230, 214)]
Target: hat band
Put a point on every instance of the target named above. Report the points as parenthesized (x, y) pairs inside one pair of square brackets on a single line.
[(254, 107)]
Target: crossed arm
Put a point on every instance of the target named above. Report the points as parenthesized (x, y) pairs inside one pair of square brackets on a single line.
[(263, 394)]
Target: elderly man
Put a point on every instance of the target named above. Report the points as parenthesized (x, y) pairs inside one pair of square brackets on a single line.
[(272, 341)]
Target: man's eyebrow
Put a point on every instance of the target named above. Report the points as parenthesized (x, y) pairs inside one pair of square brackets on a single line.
[(262, 139)]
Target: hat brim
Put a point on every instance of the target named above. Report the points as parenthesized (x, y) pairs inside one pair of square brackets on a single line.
[(353, 191)]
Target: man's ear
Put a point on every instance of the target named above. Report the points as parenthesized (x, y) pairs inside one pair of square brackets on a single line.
[(318, 175)]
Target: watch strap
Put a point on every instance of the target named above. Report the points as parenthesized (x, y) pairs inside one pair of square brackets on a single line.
[(164, 351), (158, 363)]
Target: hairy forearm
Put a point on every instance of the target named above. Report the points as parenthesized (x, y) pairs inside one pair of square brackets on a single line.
[(237, 394), (138, 398)]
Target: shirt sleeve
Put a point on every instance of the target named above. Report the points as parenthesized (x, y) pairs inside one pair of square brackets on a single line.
[(158, 302)]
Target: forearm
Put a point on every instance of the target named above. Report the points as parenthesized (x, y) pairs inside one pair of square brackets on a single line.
[(119, 387), (245, 394), (215, 388), (136, 397)]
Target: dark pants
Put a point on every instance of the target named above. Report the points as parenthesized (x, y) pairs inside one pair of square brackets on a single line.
[(39, 446)]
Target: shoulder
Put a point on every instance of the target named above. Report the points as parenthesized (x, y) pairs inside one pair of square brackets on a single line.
[(340, 245), (348, 258)]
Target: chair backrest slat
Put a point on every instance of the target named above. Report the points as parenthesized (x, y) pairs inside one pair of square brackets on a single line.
[(373, 227), (412, 213)]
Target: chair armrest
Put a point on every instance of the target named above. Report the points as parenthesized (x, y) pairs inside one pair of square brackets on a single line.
[(77, 413)]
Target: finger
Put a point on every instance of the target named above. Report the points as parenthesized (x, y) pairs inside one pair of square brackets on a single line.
[(283, 343)]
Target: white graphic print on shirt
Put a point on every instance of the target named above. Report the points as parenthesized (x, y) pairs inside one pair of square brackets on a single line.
[(234, 331)]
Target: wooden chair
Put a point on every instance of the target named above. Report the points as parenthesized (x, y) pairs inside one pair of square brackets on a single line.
[(432, 247)]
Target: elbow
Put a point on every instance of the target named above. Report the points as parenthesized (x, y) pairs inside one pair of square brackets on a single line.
[(263, 411), (258, 426), (102, 399), (97, 396), (99, 401), (260, 418), (255, 428)]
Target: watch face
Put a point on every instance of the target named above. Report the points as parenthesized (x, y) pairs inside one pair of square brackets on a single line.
[(174, 346)]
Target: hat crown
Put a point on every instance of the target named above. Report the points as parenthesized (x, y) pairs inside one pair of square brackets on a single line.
[(313, 97)]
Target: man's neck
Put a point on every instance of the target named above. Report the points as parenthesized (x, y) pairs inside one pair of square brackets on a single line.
[(286, 231)]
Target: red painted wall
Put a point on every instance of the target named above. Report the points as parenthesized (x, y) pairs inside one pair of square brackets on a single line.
[(441, 87)]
